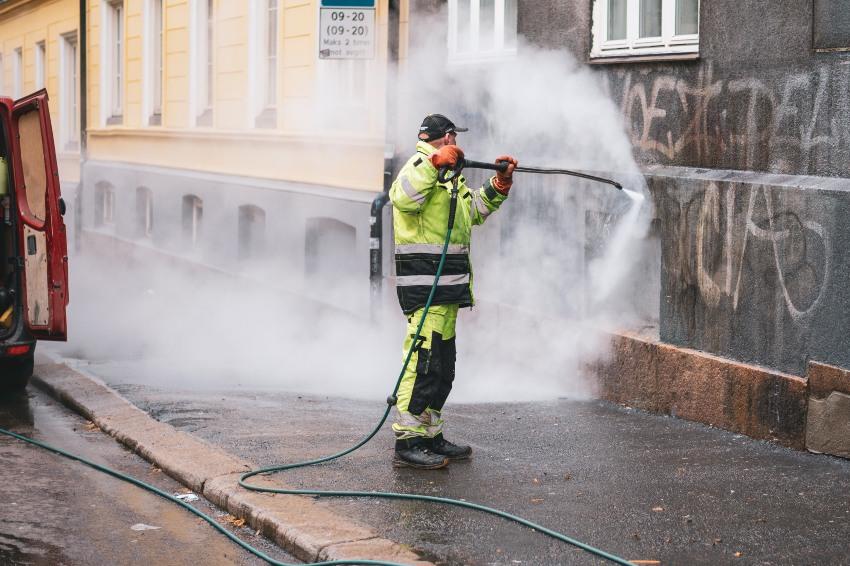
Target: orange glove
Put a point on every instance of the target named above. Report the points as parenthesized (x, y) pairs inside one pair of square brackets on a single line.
[(446, 155), (503, 181)]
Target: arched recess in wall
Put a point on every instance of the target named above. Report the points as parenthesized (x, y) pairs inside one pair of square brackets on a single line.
[(330, 247), (104, 204), (192, 217), (251, 232), (144, 212)]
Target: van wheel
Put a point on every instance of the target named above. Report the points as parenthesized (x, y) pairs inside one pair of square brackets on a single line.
[(16, 374)]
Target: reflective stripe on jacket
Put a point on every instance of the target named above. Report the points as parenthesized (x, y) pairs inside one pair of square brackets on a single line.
[(420, 220)]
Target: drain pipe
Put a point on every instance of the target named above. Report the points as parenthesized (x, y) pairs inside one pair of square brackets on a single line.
[(376, 229), (83, 98)]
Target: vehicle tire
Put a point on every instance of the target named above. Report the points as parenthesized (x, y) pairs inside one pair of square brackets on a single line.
[(15, 374)]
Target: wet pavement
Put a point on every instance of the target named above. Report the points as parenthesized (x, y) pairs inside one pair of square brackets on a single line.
[(58, 512), (640, 486)]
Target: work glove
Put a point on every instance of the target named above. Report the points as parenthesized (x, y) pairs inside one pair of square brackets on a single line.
[(448, 155), (503, 181)]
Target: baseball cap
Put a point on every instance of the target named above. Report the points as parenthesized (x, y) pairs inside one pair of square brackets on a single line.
[(436, 126)]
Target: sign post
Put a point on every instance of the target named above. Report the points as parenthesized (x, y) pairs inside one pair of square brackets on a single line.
[(347, 29)]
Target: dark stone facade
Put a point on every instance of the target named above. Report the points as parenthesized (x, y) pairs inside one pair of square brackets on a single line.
[(747, 154)]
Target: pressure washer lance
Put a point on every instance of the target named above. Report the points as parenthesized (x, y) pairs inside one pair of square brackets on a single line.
[(446, 173)]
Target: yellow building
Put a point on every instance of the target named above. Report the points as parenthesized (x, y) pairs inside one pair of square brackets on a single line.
[(233, 87), (212, 129), (39, 49)]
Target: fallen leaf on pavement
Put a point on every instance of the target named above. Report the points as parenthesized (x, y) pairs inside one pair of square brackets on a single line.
[(739, 554), (537, 500), (233, 520), (658, 508)]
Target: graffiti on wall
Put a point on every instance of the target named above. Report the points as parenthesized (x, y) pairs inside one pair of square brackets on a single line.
[(717, 228), (793, 124), (789, 258)]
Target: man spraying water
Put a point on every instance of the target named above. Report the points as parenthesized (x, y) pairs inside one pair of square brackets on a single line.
[(420, 222)]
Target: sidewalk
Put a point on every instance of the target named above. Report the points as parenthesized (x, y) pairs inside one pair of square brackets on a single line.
[(640, 486), (308, 530)]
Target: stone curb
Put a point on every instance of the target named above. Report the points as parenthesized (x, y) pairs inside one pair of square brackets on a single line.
[(308, 531)]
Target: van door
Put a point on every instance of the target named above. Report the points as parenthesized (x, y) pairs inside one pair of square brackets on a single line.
[(41, 230)]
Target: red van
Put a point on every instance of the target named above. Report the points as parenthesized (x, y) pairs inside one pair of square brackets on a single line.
[(33, 244)]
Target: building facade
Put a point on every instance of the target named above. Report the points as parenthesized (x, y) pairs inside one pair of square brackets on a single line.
[(39, 48), (216, 131)]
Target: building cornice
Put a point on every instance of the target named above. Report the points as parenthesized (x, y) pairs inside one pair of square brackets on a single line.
[(11, 6)]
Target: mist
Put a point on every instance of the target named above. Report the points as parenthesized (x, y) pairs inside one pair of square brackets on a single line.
[(547, 286)]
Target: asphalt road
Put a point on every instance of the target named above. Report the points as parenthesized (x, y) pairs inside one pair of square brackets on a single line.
[(640, 486), (58, 512)]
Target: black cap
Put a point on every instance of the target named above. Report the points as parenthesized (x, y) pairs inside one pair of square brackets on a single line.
[(436, 126)]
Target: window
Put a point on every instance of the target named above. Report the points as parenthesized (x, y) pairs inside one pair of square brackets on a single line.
[(144, 212), (252, 232), (18, 70), (104, 205), (193, 213), (330, 249), (70, 92), (645, 27), (267, 57), (831, 19), (203, 61), (113, 61), (153, 64), (40, 62), (480, 29)]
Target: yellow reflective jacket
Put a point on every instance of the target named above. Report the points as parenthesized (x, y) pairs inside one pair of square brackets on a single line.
[(420, 221)]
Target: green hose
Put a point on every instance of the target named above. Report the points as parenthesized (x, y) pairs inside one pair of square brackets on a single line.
[(386, 495), (390, 402)]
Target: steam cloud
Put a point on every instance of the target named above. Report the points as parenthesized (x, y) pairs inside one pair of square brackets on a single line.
[(540, 304)]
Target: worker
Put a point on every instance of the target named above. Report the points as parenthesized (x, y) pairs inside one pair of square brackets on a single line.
[(420, 221)]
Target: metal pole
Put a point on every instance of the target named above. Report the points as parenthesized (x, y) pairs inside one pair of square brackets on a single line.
[(376, 229), (83, 98)]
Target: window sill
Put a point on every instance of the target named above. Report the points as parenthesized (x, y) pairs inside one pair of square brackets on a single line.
[(638, 58)]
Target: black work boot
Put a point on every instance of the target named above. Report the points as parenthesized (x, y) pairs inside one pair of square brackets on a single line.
[(414, 453), (440, 445)]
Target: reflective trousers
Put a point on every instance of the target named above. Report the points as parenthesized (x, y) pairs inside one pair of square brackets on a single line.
[(428, 378)]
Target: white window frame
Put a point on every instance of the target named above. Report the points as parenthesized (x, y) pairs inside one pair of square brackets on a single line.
[(499, 51), (154, 62), (667, 44), (259, 61), (202, 63), (113, 39), (18, 72), (69, 88), (40, 64)]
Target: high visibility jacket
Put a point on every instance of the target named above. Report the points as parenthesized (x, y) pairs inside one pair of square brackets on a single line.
[(420, 221)]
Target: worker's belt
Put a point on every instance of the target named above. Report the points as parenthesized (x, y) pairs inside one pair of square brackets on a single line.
[(416, 266)]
